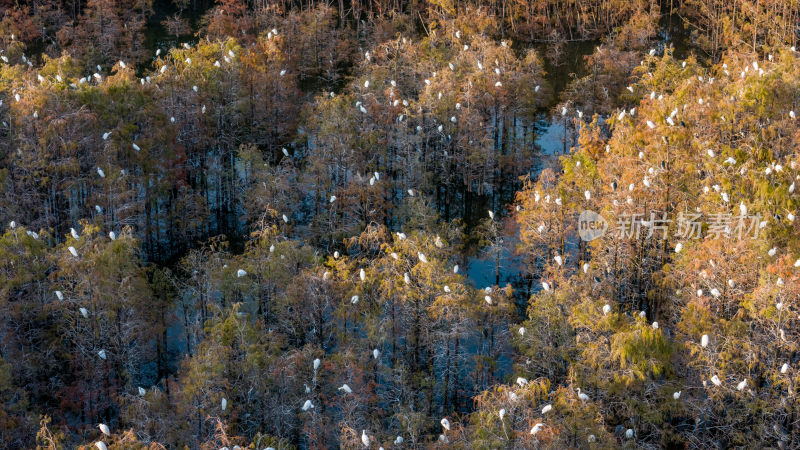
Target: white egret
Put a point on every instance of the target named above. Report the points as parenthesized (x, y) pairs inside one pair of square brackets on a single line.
[(629, 433), (398, 440), (354, 299), (85, 314), (406, 278), (488, 299), (742, 384), (364, 438), (785, 368), (445, 423), (676, 395), (422, 257), (582, 396), (307, 405), (606, 309), (537, 428), (333, 199), (142, 392), (655, 325), (224, 403), (521, 331), (100, 445), (704, 341), (346, 389), (74, 234), (104, 428), (715, 379), (102, 354), (376, 353), (522, 381), (72, 251), (678, 247), (547, 409), (455, 268), (101, 173), (59, 295)]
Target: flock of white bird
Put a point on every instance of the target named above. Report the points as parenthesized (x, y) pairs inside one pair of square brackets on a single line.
[(308, 405)]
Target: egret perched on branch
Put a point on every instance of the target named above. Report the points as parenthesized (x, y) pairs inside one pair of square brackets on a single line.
[(704, 341), (142, 392), (422, 257), (100, 445), (676, 395), (445, 423), (715, 379), (346, 389), (307, 405), (72, 251), (376, 353), (363, 275), (537, 428), (104, 428), (364, 438), (102, 354), (85, 314), (240, 273), (742, 384), (59, 295), (101, 173), (606, 309), (398, 440), (547, 409), (224, 404), (74, 234)]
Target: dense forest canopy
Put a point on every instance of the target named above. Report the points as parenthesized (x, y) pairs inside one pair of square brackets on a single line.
[(399, 224)]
